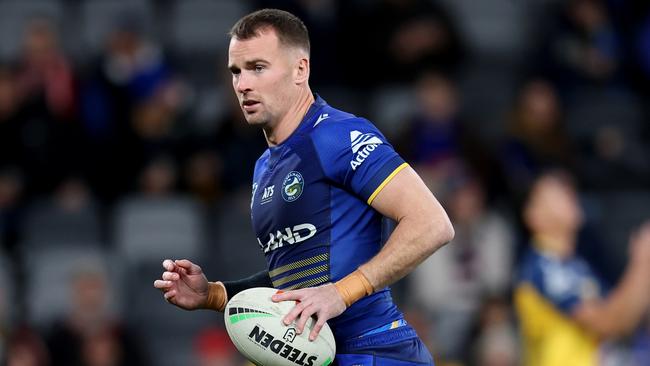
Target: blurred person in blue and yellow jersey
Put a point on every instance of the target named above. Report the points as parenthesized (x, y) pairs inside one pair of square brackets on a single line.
[(563, 309)]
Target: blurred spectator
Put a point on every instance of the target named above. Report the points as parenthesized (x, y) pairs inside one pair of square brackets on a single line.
[(72, 195), (43, 128), (9, 121), (90, 335), (536, 137), (213, 347), (203, 175), (400, 39), (11, 189), (452, 284), (130, 101), (26, 348), (585, 49), (44, 74), (159, 177), (496, 343), (435, 139), (563, 307)]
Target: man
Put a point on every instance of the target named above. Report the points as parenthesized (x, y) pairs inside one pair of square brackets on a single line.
[(319, 193), (561, 304)]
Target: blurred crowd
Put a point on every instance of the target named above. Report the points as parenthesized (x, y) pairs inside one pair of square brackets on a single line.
[(121, 143)]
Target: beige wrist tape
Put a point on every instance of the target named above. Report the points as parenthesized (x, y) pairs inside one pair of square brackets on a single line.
[(217, 297), (353, 287)]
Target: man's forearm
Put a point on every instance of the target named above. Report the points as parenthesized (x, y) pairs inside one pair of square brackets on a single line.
[(259, 279), (413, 240)]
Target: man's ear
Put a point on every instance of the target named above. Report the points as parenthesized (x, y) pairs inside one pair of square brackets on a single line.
[(302, 71)]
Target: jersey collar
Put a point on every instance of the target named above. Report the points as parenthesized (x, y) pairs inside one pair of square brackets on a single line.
[(307, 121)]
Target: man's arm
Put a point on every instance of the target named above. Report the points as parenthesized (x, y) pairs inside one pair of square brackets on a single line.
[(184, 285), (622, 310), (422, 228)]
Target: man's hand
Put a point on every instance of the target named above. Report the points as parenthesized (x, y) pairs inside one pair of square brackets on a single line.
[(183, 284), (323, 301)]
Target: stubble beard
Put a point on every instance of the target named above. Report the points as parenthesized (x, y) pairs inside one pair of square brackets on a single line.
[(261, 118)]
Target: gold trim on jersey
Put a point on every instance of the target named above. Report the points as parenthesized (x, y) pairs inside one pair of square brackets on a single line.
[(301, 263), (301, 274), (385, 182), (312, 282), (280, 277)]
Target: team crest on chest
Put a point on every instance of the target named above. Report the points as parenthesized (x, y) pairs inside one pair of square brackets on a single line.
[(292, 186)]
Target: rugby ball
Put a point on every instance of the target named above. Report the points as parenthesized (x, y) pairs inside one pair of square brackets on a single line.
[(254, 323)]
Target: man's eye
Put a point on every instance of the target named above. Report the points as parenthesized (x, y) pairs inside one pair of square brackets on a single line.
[(259, 68)]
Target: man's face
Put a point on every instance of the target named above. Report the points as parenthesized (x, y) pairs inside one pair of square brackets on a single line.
[(262, 77)]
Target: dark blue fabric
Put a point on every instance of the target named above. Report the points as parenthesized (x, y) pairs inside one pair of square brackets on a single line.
[(396, 347)]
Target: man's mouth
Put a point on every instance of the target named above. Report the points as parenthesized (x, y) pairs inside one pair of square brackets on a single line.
[(249, 104)]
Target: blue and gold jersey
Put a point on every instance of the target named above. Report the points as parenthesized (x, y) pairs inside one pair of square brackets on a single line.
[(548, 290), (311, 208)]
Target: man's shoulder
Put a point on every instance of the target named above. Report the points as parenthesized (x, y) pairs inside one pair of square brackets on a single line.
[(335, 125), (329, 116)]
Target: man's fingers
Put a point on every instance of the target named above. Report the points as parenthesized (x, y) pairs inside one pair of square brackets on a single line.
[(162, 285), (289, 295), (168, 264), (170, 294), (190, 267), (304, 317), (293, 314), (170, 276), (316, 329)]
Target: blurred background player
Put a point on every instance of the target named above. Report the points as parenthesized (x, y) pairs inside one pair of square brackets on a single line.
[(565, 310)]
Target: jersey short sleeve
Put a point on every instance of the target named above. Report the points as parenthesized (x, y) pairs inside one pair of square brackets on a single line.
[(354, 154)]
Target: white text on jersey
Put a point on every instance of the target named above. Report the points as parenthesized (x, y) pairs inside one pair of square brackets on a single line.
[(290, 236), (362, 144), (267, 196)]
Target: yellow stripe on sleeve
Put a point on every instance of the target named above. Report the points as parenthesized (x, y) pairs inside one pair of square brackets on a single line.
[(388, 179)]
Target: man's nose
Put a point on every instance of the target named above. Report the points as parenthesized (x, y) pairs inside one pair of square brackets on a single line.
[(243, 84)]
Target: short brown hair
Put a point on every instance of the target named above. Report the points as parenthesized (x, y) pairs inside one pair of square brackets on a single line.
[(291, 31)]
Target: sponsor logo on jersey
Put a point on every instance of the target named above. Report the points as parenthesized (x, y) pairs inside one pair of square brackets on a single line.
[(267, 196), (321, 118), (362, 144), (288, 236), (292, 186), (281, 348)]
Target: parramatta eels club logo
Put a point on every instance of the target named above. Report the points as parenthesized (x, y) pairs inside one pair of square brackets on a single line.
[(292, 186)]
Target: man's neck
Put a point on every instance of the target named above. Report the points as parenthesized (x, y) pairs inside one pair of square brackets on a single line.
[(277, 134)]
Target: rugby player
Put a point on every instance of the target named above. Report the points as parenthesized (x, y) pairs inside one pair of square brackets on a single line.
[(563, 307), (319, 193)]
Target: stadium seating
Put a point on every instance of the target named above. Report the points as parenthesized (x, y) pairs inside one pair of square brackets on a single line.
[(48, 280), (47, 224)]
